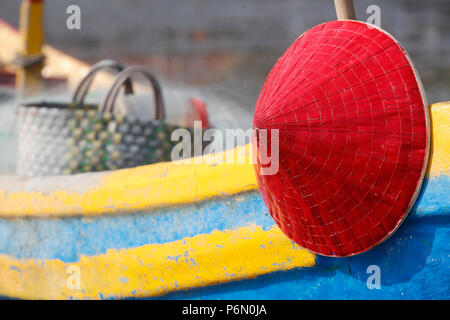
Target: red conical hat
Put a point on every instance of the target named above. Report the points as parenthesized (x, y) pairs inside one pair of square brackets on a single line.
[(353, 138)]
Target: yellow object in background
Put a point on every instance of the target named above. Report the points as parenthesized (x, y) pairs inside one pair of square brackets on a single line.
[(30, 59)]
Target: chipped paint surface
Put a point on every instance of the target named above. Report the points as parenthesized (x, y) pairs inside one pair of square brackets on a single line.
[(156, 269), (220, 248), (41, 238), (222, 243), (145, 187), (164, 184), (423, 239), (414, 264)]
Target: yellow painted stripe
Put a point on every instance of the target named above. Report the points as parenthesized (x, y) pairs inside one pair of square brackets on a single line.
[(108, 193), (164, 184), (145, 187), (156, 269), (440, 142)]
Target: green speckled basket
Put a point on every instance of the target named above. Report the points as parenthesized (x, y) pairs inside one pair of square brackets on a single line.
[(57, 138)]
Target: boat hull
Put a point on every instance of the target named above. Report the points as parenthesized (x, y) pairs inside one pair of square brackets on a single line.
[(183, 230), (176, 230)]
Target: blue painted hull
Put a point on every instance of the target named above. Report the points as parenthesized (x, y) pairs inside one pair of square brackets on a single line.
[(414, 262)]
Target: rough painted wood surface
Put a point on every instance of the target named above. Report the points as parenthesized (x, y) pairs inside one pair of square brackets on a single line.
[(35, 252)]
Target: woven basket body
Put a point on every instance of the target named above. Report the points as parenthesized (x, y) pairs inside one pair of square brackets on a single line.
[(43, 135), (57, 138)]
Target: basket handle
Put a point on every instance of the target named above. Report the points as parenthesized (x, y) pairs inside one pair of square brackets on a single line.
[(124, 76), (85, 83)]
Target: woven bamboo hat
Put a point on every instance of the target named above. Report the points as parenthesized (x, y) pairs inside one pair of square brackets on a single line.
[(354, 134)]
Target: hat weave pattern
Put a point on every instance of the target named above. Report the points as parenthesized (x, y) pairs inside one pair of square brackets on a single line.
[(353, 138)]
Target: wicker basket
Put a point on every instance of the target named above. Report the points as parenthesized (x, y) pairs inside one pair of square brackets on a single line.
[(59, 138)]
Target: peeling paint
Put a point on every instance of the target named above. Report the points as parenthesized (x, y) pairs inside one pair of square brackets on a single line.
[(241, 257), (103, 192)]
